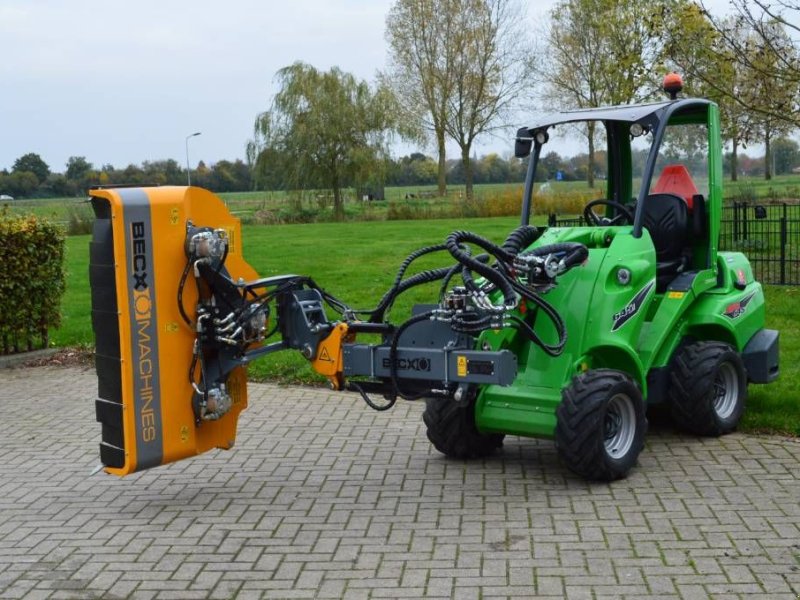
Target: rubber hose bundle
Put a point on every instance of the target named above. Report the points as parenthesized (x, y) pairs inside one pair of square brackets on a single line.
[(574, 252), (388, 298), (470, 323), (453, 243), (522, 237), (414, 280), (466, 274), (446, 281), (552, 314), (423, 277)]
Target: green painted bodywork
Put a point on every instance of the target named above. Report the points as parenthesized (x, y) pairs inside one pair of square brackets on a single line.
[(589, 296)]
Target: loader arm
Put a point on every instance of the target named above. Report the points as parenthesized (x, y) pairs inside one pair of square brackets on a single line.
[(179, 315)]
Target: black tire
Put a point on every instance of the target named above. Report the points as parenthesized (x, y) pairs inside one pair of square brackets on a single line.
[(601, 425), (452, 430), (708, 388)]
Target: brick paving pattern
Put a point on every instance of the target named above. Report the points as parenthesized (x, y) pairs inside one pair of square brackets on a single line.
[(324, 498)]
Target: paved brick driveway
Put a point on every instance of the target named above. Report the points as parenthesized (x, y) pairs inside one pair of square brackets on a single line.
[(324, 498)]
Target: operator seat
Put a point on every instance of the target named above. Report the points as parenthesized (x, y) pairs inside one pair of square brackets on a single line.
[(667, 219), (675, 179)]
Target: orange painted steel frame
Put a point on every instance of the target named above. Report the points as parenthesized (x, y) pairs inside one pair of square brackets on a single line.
[(158, 421)]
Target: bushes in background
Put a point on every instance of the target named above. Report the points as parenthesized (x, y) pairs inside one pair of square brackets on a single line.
[(31, 281), (501, 203)]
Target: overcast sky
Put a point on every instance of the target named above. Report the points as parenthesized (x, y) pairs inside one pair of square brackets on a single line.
[(123, 82)]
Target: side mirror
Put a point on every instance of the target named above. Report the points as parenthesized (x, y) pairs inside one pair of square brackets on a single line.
[(523, 143)]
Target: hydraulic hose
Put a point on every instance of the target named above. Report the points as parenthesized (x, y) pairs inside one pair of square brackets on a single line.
[(574, 252), (446, 281), (399, 286), (423, 277), (415, 280), (181, 285), (522, 237), (551, 349), (484, 258), (454, 241), (467, 323)]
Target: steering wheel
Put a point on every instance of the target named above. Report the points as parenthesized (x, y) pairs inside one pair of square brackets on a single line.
[(623, 217)]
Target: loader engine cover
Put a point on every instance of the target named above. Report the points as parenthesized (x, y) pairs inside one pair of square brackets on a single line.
[(143, 346)]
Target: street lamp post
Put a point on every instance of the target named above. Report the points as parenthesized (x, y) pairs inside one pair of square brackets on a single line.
[(188, 169)]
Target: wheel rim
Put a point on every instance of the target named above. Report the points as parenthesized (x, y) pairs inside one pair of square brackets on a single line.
[(726, 390), (619, 427)]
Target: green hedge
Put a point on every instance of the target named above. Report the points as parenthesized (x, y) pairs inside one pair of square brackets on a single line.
[(31, 281)]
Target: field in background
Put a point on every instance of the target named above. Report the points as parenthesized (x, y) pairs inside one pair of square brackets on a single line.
[(411, 202), (357, 262)]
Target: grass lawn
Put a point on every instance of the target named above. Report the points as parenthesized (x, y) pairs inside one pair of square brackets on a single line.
[(356, 261)]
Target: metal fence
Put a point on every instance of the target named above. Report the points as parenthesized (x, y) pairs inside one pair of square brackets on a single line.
[(769, 234)]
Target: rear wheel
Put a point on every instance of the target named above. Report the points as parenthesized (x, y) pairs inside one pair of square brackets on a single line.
[(708, 388), (601, 425), (452, 430)]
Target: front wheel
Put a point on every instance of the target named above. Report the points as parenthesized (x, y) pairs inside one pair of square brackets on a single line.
[(708, 388), (601, 425), (452, 430)]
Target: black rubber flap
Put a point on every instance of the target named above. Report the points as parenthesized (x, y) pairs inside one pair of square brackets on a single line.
[(105, 323)]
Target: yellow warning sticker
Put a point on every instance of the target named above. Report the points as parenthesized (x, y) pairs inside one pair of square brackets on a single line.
[(324, 355), (462, 366), (231, 232), (676, 295)]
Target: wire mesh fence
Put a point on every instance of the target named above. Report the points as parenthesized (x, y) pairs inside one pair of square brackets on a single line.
[(768, 234)]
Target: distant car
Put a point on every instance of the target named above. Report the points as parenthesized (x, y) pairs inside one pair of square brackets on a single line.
[(6, 197)]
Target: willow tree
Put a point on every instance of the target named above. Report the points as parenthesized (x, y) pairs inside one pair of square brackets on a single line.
[(325, 129)]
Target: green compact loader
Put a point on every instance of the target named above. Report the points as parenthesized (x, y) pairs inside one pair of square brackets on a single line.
[(568, 333)]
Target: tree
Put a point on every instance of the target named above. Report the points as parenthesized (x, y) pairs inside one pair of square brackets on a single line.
[(328, 129), (489, 73), (594, 61), (415, 169), (32, 163), (78, 168), (786, 154), (227, 176), (59, 186), (422, 50), (771, 100), (772, 52), (707, 61), (464, 62), (268, 170), (19, 184), (494, 169), (166, 171), (553, 162), (131, 175), (743, 63)]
